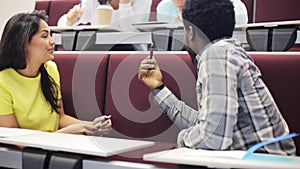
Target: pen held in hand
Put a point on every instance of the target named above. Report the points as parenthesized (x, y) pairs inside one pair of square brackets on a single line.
[(80, 5), (151, 51), (102, 121)]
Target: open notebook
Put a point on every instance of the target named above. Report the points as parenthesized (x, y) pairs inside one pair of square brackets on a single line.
[(73, 143), (228, 159), (237, 153)]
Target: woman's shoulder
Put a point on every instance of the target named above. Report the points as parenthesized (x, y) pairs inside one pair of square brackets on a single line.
[(6, 75), (5, 72), (50, 66)]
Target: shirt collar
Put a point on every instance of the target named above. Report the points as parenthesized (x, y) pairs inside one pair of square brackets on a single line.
[(226, 39)]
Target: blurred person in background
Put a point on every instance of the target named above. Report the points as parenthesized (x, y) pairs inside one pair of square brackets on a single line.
[(170, 11), (125, 13)]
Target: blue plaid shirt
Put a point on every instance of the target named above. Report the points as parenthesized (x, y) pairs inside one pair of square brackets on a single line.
[(235, 108)]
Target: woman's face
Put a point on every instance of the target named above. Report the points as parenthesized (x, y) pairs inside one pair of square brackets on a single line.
[(41, 47), (179, 3)]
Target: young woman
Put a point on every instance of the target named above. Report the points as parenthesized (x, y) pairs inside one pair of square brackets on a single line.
[(29, 81)]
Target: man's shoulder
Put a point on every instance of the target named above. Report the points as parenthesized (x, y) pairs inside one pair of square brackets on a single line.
[(219, 48)]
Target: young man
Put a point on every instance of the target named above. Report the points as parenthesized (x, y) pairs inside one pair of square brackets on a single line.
[(235, 107)]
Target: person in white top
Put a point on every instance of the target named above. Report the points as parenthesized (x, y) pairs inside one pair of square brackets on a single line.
[(240, 12), (126, 13), (170, 11)]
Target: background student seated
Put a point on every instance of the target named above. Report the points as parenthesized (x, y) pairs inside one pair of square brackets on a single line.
[(170, 11), (124, 14)]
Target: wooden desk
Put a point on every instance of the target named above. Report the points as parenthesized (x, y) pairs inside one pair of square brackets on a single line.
[(268, 24), (187, 156), (66, 149), (271, 36), (12, 158), (89, 145), (167, 37), (69, 145), (82, 38)]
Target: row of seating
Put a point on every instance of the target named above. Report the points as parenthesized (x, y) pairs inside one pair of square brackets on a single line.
[(55, 8), (264, 10), (95, 83)]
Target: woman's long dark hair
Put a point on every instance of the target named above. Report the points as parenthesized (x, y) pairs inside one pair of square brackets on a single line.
[(16, 35)]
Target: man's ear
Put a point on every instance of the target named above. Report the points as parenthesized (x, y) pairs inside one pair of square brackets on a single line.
[(191, 34)]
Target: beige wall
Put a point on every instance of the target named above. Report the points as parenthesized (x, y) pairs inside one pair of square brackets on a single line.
[(10, 7)]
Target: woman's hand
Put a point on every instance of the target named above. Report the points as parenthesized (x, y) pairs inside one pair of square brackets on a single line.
[(102, 124), (73, 15), (88, 127)]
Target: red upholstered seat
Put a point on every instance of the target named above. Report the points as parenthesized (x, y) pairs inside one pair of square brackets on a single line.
[(43, 5), (277, 10), (153, 10), (131, 104), (93, 84), (83, 83), (281, 73), (58, 8), (249, 6)]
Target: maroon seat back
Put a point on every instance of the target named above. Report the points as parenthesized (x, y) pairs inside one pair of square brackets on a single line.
[(43, 5), (249, 6), (83, 83), (58, 8), (93, 84), (131, 104), (281, 73), (153, 10), (277, 10)]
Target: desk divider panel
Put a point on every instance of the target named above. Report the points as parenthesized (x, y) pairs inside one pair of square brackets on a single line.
[(83, 83), (249, 6), (134, 114)]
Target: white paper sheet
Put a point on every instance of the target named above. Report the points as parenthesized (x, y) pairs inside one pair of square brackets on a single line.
[(215, 154), (11, 132)]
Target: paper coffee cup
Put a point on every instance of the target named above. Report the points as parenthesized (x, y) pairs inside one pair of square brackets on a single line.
[(104, 14)]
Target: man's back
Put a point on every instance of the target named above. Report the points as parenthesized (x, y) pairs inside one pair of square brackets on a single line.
[(236, 81)]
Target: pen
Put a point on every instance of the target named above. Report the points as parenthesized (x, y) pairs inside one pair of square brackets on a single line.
[(80, 5), (102, 121), (151, 51)]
